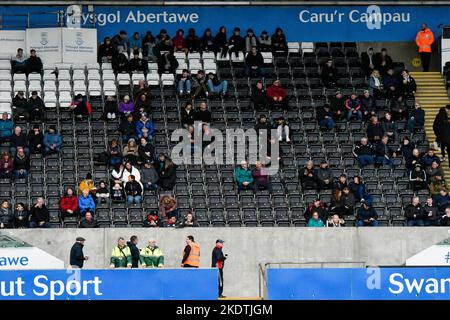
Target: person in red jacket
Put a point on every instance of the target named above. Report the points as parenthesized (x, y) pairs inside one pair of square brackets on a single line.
[(68, 204), (277, 95)]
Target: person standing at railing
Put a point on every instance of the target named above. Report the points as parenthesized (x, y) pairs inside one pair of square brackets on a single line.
[(424, 40)]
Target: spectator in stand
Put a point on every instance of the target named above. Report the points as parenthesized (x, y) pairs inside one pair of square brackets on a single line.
[(149, 176), (168, 206), (152, 220), (444, 138), (216, 86), (445, 220), (325, 117), (337, 105), (279, 43), (383, 61), (102, 193), (163, 36), (308, 176), (6, 126), (413, 159), (315, 221), (414, 213), (81, 107), (358, 189), (117, 193), (324, 176), (167, 172), (207, 41), (171, 222), (136, 43), (120, 42), (368, 106), (265, 42), (408, 86), (416, 118), (335, 222), (21, 164), (187, 115), (36, 107), (375, 85), (110, 111), (329, 74), (19, 139), (430, 213), (133, 190), (126, 106), (418, 178), (263, 124), (429, 158), (282, 129), (6, 166), (442, 200), (341, 183), (406, 148), (105, 51), (127, 128), (167, 63), (254, 63), (21, 216), (192, 41), (144, 127), (277, 95), (250, 40), (221, 42), (236, 43), (20, 107), (88, 221), (203, 114), (353, 106), (343, 202), (68, 204), (36, 140), (86, 202), (87, 183), (137, 64), (364, 153), (39, 215), (199, 85), (260, 178), (151, 256), (141, 89), (184, 83), (391, 83), (52, 141), (319, 207), (6, 216), (368, 61), (389, 127), (434, 171), (33, 64), (374, 130), (114, 152), (143, 105), (366, 216), (120, 63), (384, 153), (243, 177), (259, 96), (19, 62), (189, 221), (146, 151), (130, 170), (436, 185)]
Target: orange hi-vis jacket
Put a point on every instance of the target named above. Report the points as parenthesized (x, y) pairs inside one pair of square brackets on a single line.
[(194, 255), (424, 40)]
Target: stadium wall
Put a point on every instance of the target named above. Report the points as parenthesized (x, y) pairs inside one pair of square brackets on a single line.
[(248, 247)]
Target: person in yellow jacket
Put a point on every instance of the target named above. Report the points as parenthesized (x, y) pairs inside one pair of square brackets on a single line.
[(121, 255), (87, 183), (191, 254), (424, 40), (151, 256)]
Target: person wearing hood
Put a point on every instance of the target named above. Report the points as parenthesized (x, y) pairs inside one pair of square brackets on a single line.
[(80, 106), (106, 51), (52, 141), (135, 256), (418, 178), (207, 41)]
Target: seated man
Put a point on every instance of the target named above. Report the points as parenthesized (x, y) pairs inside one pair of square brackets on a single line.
[(6, 126), (277, 95), (120, 63), (21, 164), (52, 141), (353, 106), (199, 85), (308, 176), (33, 63), (18, 62), (81, 107), (337, 105), (374, 130), (364, 153), (184, 83), (259, 96), (325, 117), (19, 139), (36, 107), (418, 178), (138, 64), (329, 74), (20, 107), (442, 200), (384, 153), (416, 118), (243, 177), (325, 176), (254, 64), (429, 158), (391, 84), (366, 216), (414, 213), (260, 177)]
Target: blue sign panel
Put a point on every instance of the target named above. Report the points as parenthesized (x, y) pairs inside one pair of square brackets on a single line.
[(359, 284), (150, 284)]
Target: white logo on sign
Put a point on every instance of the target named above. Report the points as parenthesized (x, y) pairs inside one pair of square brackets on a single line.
[(44, 38), (79, 41)]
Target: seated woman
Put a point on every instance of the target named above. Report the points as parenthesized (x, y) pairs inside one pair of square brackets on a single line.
[(126, 106), (21, 216), (68, 205), (114, 152), (6, 166), (111, 110), (343, 202), (131, 152), (277, 95)]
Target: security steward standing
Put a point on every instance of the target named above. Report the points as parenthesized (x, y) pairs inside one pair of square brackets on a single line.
[(218, 261), (191, 254), (424, 40), (77, 256)]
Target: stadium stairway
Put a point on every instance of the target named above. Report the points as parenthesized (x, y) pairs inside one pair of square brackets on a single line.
[(432, 95)]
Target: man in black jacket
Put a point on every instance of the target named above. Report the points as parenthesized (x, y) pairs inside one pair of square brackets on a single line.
[(364, 153), (254, 63), (39, 215), (414, 213), (384, 153), (19, 139), (77, 256), (218, 261), (325, 117), (138, 64), (259, 97), (132, 244), (36, 107), (33, 63)]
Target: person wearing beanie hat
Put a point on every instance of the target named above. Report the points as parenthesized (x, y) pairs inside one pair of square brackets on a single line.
[(52, 141), (259, 96), (36, 140), (36, 107)]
